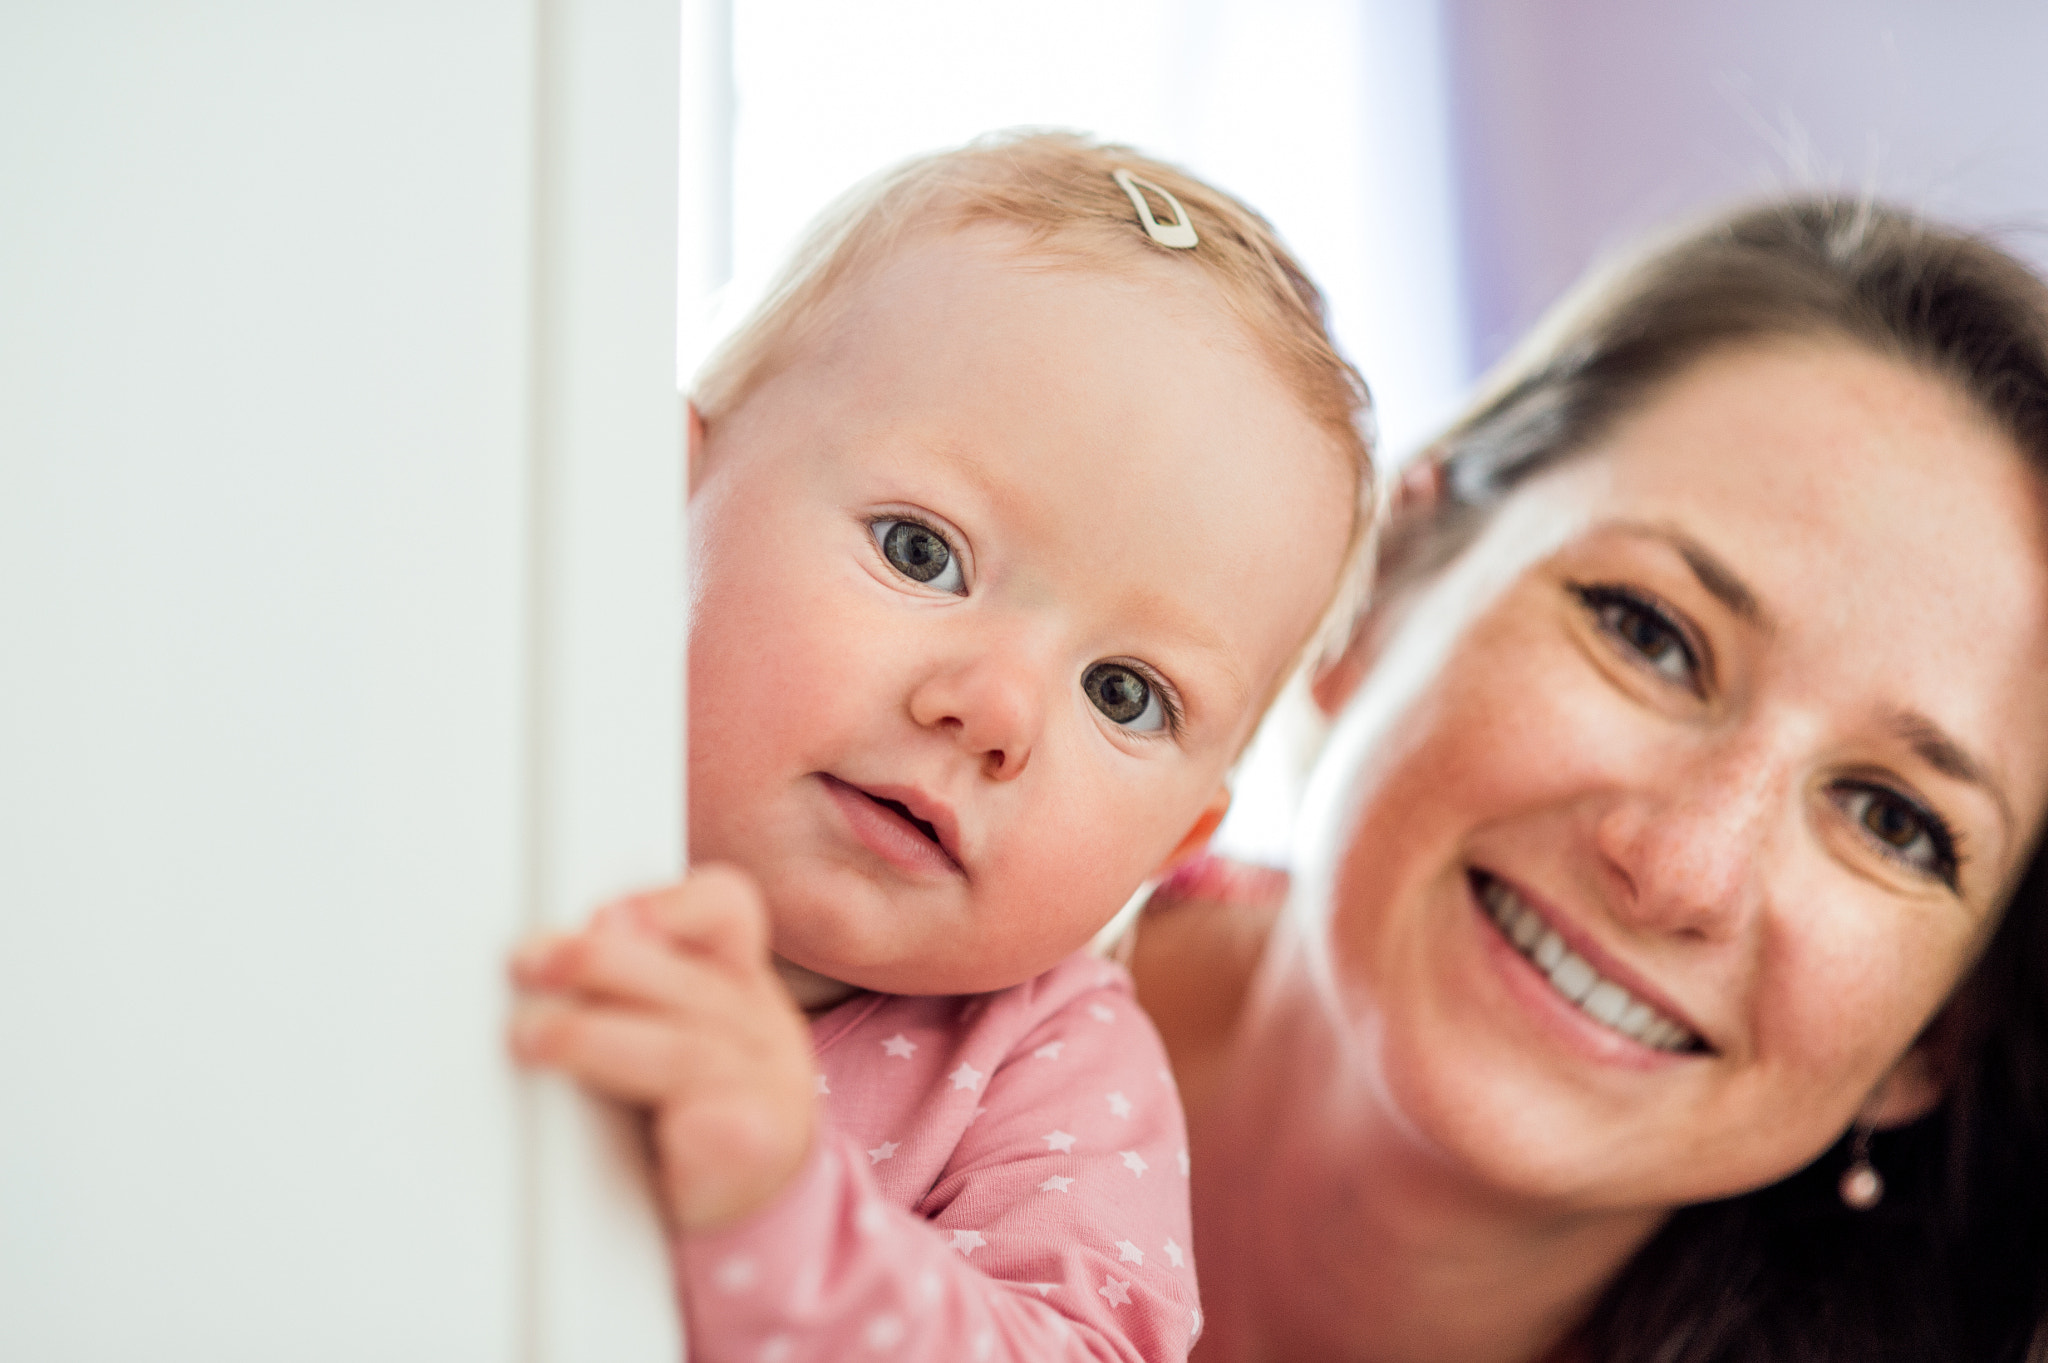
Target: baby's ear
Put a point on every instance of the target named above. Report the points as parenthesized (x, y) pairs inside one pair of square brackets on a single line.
[(1334, 681), (694, 420), (1197, 836), (1416, 495)]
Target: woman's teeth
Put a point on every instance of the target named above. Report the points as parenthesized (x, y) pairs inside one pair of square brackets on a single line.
[(1604, 1001)]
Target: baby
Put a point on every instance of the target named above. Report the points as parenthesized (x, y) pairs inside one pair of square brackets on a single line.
[(1012, 506)]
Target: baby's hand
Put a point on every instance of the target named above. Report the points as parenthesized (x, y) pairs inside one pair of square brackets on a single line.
[(669, 1000)]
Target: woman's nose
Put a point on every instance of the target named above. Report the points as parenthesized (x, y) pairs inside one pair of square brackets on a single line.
[(991, 704), (1689, 854)]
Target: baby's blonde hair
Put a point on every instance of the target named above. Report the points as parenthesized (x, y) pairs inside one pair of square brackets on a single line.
[(1060, 189)]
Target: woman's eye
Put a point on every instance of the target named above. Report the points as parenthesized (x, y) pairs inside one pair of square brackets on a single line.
[(1125, 697), (921, 554), (1901, 829), (1646, 631)]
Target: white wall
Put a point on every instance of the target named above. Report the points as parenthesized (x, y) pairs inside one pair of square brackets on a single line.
[(306, 376)]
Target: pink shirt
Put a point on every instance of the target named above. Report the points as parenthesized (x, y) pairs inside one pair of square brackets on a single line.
[(1001, 1176)]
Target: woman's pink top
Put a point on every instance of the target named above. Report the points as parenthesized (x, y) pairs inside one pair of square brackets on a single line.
[(1001, 1176)]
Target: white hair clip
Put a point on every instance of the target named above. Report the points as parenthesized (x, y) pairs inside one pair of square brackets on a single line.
[(1179, 234)]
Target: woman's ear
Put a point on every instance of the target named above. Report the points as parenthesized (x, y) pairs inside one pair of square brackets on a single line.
[(1912, 1090), (1924, 1075), (1419, 488)]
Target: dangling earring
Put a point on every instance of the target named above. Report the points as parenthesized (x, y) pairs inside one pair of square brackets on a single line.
[(1862, 1187)]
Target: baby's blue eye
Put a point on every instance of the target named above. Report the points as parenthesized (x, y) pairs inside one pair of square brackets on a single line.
[(1124, 697), (921, 554)]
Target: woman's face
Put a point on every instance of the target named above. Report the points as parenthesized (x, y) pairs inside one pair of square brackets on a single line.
[(1671, 813)]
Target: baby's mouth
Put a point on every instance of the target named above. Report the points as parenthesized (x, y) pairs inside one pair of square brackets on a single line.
[(1574, 978), (928, 842), (902, 811)]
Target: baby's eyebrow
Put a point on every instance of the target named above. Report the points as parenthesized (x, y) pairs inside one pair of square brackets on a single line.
[(1173, 626)]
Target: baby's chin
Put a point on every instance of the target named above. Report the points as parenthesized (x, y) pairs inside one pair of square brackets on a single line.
[(818, 989)]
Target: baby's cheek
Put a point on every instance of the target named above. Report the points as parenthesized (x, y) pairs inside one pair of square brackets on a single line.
[(1078, 864)]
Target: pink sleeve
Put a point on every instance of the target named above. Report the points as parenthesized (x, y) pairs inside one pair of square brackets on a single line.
[(1058, 1229)]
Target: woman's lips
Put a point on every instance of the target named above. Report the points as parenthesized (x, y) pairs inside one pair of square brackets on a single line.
[(891, 828), (1574, 980)]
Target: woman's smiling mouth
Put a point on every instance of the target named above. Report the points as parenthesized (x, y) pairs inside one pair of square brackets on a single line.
[(1575, 980)]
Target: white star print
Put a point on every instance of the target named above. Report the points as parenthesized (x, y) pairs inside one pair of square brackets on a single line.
[(966, 1077), (984, 1346), (967, 1241), (1174, 1254), (976, 1113), (1183, 1158), (823, 1087), (1134, 1162), (776, 1350), (734, 1275), (1128, 1253), (1100, 1013), (1049, 1051), (1119, 1106), (928, 1284), (1104, 978), (1042, 1288), (1058, 1183), (870, 1219), (1118, 1290), (899, 1046), (886, 1150), (1058, 1140), (884, 1332)]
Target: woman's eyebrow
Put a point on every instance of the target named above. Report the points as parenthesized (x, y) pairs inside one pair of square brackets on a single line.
[(1938, 750), (1722, 582), (1929, 741)]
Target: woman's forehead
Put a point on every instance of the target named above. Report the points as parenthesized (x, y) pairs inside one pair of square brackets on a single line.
[(1858, 471)]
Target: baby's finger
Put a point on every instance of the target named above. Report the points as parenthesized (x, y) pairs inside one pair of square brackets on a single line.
[(638, 969), (538, 962), (624, 1054), (717, 912)]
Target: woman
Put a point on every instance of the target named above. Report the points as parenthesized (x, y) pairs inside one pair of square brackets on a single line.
[(1665, 974)]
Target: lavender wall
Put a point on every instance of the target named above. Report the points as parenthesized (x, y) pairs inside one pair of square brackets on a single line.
[(1578, 123)]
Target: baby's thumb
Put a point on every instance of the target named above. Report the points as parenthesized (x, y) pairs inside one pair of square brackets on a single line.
[(717, 912)]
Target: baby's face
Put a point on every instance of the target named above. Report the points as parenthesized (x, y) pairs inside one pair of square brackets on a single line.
[(988, 582)]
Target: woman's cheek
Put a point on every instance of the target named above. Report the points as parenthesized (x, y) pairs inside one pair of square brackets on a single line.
[(1524, 726), (1845, 982)]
